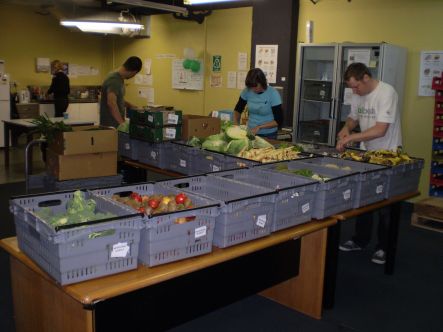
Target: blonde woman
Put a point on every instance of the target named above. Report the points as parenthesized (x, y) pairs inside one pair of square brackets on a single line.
[(60, 88)]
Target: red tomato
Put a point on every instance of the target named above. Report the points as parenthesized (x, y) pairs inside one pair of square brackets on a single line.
[(141, 209), (180, 198), (136, 197), (153, 203)]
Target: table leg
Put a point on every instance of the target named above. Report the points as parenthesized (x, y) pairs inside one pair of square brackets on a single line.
[(392, 237), (331, 265), (6, 132), (29, 138)]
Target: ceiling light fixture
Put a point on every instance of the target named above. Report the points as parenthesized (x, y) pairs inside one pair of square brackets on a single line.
[(150, 4), (200, 2), (101, 26)]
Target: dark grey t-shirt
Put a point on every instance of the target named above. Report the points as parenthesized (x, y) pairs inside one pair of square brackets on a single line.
[(113, 83)]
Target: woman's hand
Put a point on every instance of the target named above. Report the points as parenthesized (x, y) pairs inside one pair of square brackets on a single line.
[(255, 130)]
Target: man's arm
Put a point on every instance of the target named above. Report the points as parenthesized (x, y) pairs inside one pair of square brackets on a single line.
[(347, 128), (379, 130), (113, 108), (129, 105)]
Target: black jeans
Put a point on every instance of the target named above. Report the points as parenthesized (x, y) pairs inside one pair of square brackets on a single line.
[(363, 228), (60, 106)]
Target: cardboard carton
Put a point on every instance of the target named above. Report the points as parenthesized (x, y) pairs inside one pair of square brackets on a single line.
[(85, 139), (199, 126), (79, 166)]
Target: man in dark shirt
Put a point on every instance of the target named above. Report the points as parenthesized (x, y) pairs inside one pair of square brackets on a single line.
[(113, 103)]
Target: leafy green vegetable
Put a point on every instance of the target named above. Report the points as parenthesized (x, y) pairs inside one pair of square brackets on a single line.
[(217, 145), (237, 145), (216, 137), (124, 127), (236, 132), (304, 172), (48, 128), (225, 125), (195, 142), (259, 143)]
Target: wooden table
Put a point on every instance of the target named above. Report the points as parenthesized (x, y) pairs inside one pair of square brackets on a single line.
[(42, 305), (334, 237), (18, 126)]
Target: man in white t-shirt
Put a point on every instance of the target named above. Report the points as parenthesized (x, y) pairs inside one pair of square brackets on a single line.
[(374, 107)]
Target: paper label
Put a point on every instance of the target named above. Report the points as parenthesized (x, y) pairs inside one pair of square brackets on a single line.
[(200, 231), (215, 168), (347, 194), (120, 249), (172, 118), (379, 189), (182, 163), (305, 208), (153, 155), (225, 117), (261, 220), (170, 132), (215, 114), (127, 146), (150, 118)]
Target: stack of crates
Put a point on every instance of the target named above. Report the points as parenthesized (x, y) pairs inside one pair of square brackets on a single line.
[(127, 147), (334, 195), (155, 125), (246, 210), (76, 252), (163, 240)]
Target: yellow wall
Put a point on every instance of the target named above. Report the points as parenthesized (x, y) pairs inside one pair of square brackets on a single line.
[(225, 32), (414, 24), (27, 35)]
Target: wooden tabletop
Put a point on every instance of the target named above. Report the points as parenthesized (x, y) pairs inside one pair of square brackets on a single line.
[(151, 168), (367, 208), (92, 291)]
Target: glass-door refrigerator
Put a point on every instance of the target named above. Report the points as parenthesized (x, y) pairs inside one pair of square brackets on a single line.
[(322, 98)]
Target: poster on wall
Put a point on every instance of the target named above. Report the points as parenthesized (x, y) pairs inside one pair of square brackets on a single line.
[(187, 79), (266, 59), (431, 65)]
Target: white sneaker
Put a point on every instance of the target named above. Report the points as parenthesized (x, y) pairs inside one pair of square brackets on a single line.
[(349, 246), (379, 257)]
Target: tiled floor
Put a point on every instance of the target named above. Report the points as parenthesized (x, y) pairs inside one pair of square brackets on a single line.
[(16, 170)]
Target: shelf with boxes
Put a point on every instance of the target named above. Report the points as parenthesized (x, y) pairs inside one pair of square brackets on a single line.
[(436, 180)]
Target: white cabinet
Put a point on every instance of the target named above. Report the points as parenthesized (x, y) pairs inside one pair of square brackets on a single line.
[(84, 112), (47, 109)]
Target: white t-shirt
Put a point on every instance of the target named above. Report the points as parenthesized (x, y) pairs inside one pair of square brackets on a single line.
[(381, 105)]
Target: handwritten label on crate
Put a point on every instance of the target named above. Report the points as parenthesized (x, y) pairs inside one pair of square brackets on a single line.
[(153, 155), (261, 220), (200, 231), (150, 118), (127, 146), (170, 132), (305, 208), (182, 163), (379, 189), (215, 168), (347, 194), (172, 119), (119, 250)]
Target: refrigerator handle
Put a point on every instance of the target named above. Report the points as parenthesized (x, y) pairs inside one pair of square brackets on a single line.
[(332, 109)]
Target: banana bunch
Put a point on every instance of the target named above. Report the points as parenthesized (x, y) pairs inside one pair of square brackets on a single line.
[(381, 157)]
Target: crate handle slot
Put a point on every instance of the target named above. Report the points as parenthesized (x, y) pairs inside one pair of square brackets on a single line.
[(92, 140), (54, 202), (106, 232), (182, 185)]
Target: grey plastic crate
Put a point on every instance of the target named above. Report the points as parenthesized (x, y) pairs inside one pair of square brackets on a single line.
[(154, 154), (127, 147), (182, 158), (404, 178), (294, 201), (246, 210), (162, 240), (332, 196), (209, 161), (82, 251), (372, 186)]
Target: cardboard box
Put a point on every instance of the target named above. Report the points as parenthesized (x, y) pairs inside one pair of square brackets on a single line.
[(80, 166), (86, 139), (199, 126)]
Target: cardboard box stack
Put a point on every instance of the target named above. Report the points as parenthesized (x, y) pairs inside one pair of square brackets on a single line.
[(85, 152), (156, 125)]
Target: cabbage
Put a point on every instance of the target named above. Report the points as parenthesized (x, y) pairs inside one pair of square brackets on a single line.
[(237, 145), (259, 143), (216, 137), (236, 132), (195, 142), (217, 145)]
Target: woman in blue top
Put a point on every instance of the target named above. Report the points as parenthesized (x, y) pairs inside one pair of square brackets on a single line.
[(264, 105)]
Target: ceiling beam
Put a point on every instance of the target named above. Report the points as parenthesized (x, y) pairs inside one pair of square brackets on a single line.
[(152, 5)]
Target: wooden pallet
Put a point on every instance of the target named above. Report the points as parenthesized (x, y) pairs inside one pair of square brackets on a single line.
[(428, 214)]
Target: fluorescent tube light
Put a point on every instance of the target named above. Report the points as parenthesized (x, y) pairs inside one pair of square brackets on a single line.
[(101, 26), (198, 2)]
